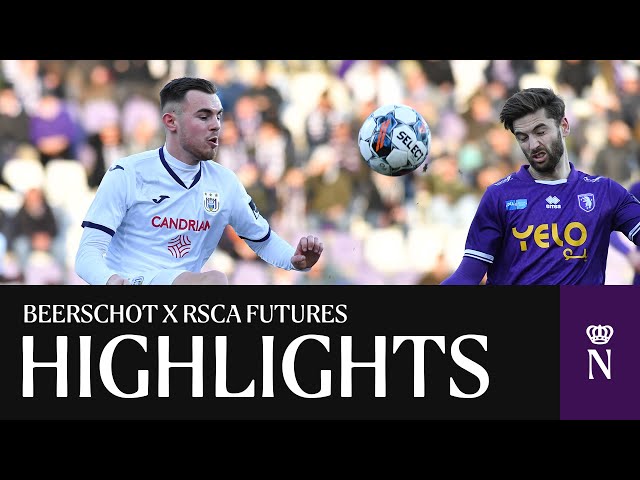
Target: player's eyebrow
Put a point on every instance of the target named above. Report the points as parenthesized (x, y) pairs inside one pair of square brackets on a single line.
[(535, 127), (210, 110)]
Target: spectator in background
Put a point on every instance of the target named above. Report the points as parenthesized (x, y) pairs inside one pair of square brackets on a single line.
[(100, 116), (52, 73), (53, 130), (35, 229), (101, 150), (14, 126), (388, 206), (24, 75), (229, 88), (262, 194), (328, 189), (4, 243), (446, 186), (131, 77), (275, 153), (248, 120), (141, 127), (578, 75), (374, 81), (479, 116), (507, 73), (267, 97), (619, 159), (320, 121), (629, 96), (233, 150), (439, 73)]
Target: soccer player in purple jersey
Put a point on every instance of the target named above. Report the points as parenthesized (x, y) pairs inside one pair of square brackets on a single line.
[(548, 223), (632, 254)]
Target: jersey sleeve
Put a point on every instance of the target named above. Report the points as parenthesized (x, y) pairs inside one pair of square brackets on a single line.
[(245, 217), (112, 200), (487, 229), (626, 217)]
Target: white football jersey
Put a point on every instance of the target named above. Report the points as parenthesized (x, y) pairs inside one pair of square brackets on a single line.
[(158, 222)]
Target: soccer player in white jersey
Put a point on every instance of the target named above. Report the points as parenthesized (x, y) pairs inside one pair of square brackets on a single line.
[(157, 216)]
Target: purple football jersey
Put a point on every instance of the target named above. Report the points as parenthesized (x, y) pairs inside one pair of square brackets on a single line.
[(550, 232)]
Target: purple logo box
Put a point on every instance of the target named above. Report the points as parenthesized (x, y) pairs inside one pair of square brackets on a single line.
[(599, 353)]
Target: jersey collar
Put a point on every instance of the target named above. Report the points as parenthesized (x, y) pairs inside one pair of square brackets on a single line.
[(524, 175), (196, 179)]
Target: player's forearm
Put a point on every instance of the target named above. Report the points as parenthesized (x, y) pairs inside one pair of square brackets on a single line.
[(618, 244), (470, 272), (274, 250), (90, 263)]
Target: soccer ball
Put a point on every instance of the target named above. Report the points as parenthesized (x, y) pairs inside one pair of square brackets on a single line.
[(394, 140)]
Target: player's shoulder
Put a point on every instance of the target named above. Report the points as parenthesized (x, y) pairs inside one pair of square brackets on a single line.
[(135, 161), (587, 177), (597, 181), (505, 183), (219, 170)]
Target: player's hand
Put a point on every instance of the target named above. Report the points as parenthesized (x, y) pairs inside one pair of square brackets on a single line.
[(307, 252), (116, 279)]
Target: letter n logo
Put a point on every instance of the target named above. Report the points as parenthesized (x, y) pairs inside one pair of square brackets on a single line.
[(606, 369)]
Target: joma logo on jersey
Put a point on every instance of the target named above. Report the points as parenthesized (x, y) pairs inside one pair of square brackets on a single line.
[(180, 223), (574, 235), (211, 202)]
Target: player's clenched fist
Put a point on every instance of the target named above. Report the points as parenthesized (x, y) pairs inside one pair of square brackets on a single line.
[(307, 252)]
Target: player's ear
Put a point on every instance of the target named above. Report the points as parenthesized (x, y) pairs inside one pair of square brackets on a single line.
[(564, 127), (169, 120)]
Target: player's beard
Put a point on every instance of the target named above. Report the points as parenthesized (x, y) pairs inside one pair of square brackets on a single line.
[(200, 152), (207, 153), (554, 155)]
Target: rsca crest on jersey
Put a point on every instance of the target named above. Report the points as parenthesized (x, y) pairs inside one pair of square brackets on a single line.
[(587, 201), (211, 202)]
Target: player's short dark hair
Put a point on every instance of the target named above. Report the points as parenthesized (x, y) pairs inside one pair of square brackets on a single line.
[(531, 100), (177, 89)]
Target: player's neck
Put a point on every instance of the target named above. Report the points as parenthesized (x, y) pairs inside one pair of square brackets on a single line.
[(179, 154), (561, 172)]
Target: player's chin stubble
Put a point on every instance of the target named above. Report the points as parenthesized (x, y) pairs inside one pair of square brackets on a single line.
[(554, 155), (209, 154)]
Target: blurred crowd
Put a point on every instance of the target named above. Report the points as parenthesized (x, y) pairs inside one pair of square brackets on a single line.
[(290, 133)]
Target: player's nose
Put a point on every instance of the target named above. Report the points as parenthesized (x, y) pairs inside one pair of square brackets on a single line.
[(533, 143)]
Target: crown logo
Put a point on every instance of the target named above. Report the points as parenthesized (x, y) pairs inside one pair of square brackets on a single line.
[(599, 335)]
